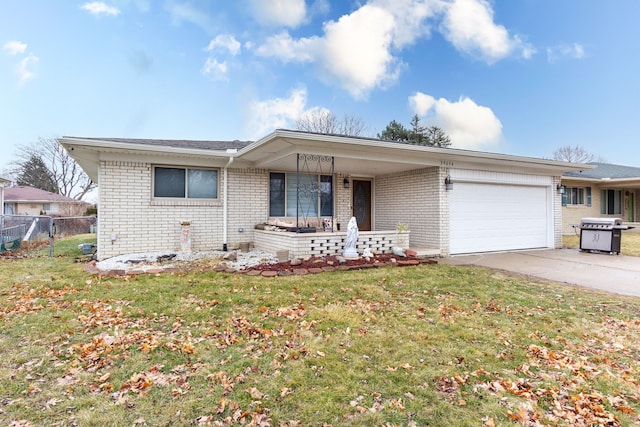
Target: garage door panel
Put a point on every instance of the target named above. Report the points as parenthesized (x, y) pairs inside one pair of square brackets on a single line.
[(494, 217)]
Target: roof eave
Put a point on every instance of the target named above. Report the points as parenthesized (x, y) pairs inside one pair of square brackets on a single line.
[(128, 147), (452, 153)]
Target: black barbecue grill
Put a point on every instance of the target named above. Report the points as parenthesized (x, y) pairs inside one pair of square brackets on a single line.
[(601, 234)]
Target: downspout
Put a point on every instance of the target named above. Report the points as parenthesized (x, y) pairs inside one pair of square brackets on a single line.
[(225, 206)]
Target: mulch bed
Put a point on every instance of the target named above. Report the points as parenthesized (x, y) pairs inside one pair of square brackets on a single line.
[(329, 263)]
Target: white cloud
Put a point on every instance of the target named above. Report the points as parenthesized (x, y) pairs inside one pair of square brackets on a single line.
[(100, 8), (221, 45), (14, 47), (276, 13), (277, 113), (469, 26), (23, 69), (470, 126), (411, 18), (285, 48), (225, 42), (572, 51), (360, 52), (215, 70), (355, 51)]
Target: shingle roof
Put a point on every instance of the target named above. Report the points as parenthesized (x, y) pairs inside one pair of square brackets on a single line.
[(176, 143), (606, 170), (30, 194)]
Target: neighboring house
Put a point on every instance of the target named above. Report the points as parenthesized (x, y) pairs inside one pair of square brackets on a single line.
[(157, 194), (25, 200), (605, 191)]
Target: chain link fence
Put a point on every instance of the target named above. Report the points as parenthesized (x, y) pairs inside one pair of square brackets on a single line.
[(18, 230), (70, 226)]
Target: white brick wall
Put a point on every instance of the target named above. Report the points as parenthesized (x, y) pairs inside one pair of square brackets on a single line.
[(415, 198), (248, 203), (139, 223), (557, 214), (342, 202)]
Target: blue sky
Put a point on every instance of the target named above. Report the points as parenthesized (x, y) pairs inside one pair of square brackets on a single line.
[(510, 76)]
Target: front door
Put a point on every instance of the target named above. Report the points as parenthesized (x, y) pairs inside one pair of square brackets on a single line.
[(362, 204), (630, 207)]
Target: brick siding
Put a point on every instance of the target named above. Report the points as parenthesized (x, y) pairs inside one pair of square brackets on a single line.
[(415, 198), (140, 224)]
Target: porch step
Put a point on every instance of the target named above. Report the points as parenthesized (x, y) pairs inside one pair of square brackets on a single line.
[(426, 252)]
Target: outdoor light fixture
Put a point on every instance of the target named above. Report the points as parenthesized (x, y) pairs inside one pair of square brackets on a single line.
[(448, 184), (345, 183), (560, 189)]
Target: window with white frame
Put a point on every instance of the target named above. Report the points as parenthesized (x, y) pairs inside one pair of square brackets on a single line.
[(314, 193), (611, 202), (185, 183)]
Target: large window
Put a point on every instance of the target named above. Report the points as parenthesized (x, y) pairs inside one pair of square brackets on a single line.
[(611, 202), (315, 194), (180, 183)]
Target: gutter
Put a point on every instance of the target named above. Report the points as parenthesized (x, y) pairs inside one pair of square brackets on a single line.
[(225, 204)]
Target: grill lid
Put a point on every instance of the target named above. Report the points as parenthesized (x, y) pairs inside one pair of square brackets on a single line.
[(601, 221)]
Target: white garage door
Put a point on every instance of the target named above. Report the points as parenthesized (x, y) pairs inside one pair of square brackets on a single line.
[(498, 217)]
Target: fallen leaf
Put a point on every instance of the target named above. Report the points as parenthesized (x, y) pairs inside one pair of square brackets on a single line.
[(255, 393)]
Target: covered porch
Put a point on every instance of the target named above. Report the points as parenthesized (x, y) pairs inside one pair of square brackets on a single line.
[(377, 183)]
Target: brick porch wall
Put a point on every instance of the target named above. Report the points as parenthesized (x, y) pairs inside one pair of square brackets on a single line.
[(322, 243)]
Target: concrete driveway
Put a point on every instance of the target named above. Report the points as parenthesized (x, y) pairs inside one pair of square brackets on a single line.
[(613, 273)]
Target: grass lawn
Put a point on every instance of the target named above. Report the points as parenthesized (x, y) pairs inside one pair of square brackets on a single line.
[(430, 345), (629, 244)]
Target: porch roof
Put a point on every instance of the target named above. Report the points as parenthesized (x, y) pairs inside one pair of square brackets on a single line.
[(372, 157)]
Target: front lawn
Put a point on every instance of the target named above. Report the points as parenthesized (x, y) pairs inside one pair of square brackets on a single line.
[(398, 346)]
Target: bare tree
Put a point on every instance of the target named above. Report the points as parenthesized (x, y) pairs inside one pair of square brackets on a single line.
[(324, 121), (68, 176), (575, 154)]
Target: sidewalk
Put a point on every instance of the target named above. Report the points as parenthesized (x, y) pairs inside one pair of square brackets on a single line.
[(613, 273)]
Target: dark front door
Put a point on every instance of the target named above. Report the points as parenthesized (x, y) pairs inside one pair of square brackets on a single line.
[(362, 204)]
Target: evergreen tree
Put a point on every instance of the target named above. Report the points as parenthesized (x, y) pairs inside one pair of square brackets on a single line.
[(35, 173), (417, 134), (394, 132), (437, 137)]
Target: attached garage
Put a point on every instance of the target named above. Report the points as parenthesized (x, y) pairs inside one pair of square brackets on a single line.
[(494, 216)]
